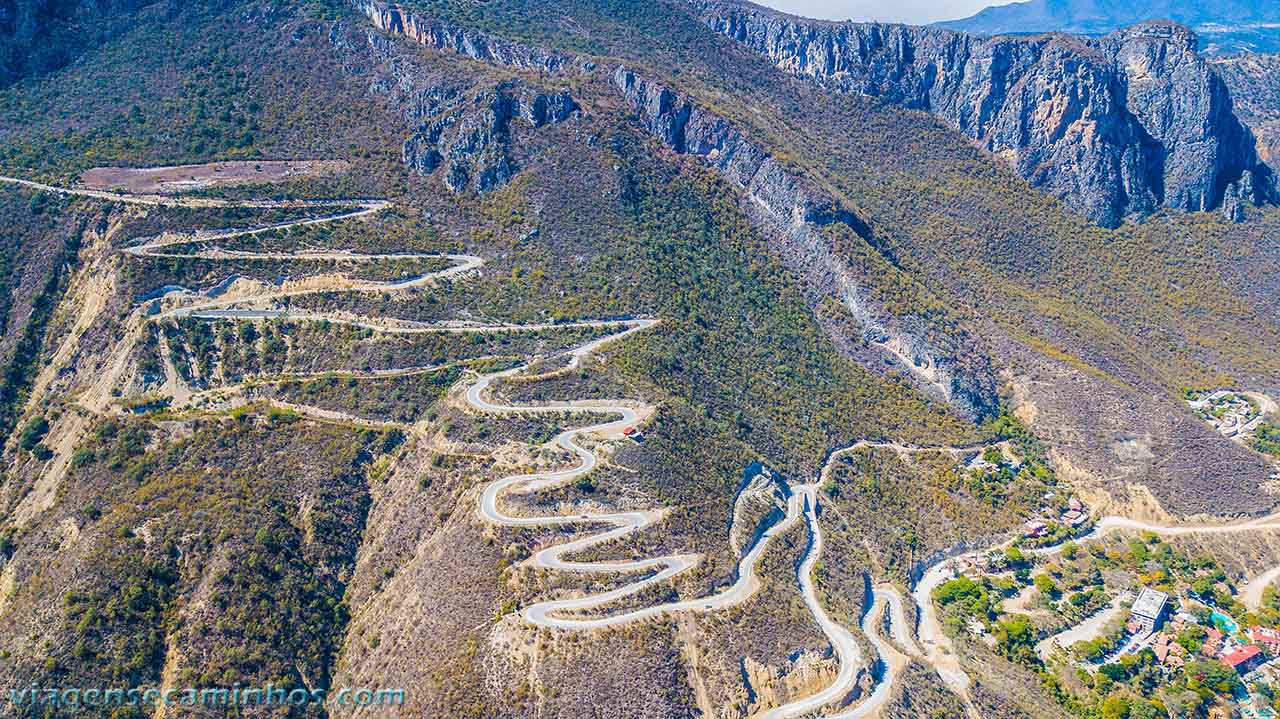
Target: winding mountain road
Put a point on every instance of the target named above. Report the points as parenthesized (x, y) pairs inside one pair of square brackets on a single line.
[(802, 502), (620, 524), (154, 200), (930, 644)]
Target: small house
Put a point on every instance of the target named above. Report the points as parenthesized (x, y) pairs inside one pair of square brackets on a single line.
[(1266, 637), (1244, 658)]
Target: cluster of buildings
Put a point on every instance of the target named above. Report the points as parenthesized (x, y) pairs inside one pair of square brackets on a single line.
[(1262, 644), (1245, 653), (1073, 517), (1231, 413), (1169, 652)]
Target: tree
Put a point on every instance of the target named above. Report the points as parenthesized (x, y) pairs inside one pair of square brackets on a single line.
[(1045, 585), (1115, 707), (956, 589), (1014, 556), (1016, 638), (1143, 709), (1203, 587), (1192, 638), (1114, 672), (1211, 675), (33, 432)]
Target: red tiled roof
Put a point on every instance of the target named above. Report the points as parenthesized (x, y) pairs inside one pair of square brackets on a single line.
[(1235, 656), (1264, 634)]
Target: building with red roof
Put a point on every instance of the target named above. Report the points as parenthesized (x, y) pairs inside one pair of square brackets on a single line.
[(1266, 636), (1244, 658), (1212, 643)]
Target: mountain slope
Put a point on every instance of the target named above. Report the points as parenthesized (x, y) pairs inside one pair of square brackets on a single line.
[(1116, 127), (36, 37), (1231, 26), (290, 487)]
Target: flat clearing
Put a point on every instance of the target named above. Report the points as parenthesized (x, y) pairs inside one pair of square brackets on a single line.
[(184, 178)]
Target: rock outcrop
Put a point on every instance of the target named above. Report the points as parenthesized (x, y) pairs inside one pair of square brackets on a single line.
[(794, 215), (464, 130), (761, 503), (442, 35), (1116, 126), (474, 137)]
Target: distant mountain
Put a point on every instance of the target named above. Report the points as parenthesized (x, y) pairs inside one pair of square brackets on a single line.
[(1225, 27), (1168, 139)]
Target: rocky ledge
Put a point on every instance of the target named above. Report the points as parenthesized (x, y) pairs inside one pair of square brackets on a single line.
[(796, 217), (474, 136), (442, 35), (465, 130), (1116, 126)]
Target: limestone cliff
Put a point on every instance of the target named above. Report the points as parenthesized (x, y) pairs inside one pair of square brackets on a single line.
[(442, 35), (798, 217), (465, 130), (476, 147), (1116, 126), (1255, 95)]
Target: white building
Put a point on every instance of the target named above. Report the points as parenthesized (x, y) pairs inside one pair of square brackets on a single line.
[(1149, 608)]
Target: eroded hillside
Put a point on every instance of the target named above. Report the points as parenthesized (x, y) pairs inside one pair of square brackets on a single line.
[(602, 364)]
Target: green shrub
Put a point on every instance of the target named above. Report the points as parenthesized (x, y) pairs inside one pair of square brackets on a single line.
[(32, 433)]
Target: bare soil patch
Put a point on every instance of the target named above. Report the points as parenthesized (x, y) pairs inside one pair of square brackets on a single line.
[(184, 178)]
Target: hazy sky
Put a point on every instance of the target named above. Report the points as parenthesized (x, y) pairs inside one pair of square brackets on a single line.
[(916, 12)]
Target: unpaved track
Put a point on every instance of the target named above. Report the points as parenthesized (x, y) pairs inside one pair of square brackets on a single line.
[(933, 647), (843, 644), (218, 308), (618, 524), (1251, 594), (802, 502), (191, 202)]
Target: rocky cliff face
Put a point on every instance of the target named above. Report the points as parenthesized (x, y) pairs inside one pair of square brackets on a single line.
[(463, 129), (761, 503), (796, 216), (1115, 126), (474, 136), (1255, 95), (447, 36)]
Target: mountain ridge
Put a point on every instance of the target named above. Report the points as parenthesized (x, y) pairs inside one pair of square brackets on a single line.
[(1117, 126), (1232, 26)]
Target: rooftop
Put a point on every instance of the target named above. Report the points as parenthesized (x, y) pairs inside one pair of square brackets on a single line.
[(1235, 656), (1264, 634), (1150, 603)]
